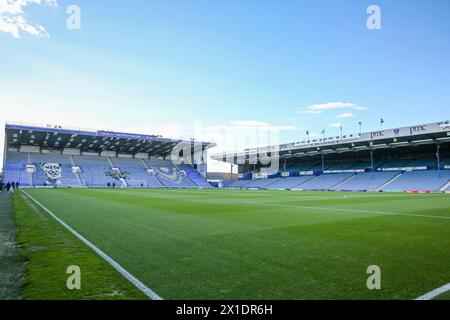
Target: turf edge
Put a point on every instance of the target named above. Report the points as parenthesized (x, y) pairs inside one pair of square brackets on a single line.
[(49, 249)]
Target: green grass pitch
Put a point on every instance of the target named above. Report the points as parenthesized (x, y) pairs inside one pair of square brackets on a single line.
[(236, 244)]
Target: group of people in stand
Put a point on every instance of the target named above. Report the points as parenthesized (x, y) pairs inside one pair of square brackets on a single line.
[(10, 186)]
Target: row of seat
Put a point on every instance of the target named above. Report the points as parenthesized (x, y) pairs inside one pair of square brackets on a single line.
[(317, 166), (98, 171), (429, 180)]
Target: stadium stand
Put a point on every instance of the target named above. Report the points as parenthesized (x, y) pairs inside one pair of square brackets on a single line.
[(365, 181), (195, 176), (290, 182), (93, 169), (169, 174), (261, 183), (15, 169), (419, 180), (54, 156), (397, 159), (68, 178), (326, 181), (447, 188), (136, 173)]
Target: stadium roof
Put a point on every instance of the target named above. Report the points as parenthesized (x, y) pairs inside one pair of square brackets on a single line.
[(422, 134), (58, 137)]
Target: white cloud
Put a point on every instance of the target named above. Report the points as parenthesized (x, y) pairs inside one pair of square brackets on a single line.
[(345, 115), (336, 125), (13, 18), (336, 105), (307, 111), (320, 108)]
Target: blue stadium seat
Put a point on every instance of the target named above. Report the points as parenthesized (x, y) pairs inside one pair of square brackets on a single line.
[(15, 168), (326, 181), (427, 180), (366, 181)]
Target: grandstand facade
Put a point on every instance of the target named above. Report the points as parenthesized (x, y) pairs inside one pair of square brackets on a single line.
[(53, 156), (413, 158)]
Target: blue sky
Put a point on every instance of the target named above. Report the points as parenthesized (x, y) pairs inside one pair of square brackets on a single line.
[(162, 66)]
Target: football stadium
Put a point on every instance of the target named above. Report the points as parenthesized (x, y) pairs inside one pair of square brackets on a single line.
[(137, 217), (224, 158)]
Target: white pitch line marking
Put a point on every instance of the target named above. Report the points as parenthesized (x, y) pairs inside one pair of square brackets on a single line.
[(433, 294), (137, 283), (377, 212), (347, 210)]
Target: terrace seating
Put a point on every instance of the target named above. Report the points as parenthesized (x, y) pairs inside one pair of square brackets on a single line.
[(367, 181), (93, 170), (447, 188), (419, 180), (168, 174), (325, 181), (96, 170), (195, 176), (290, 182), (261, 183), (15, 168), (68, 178), (136, 173)]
